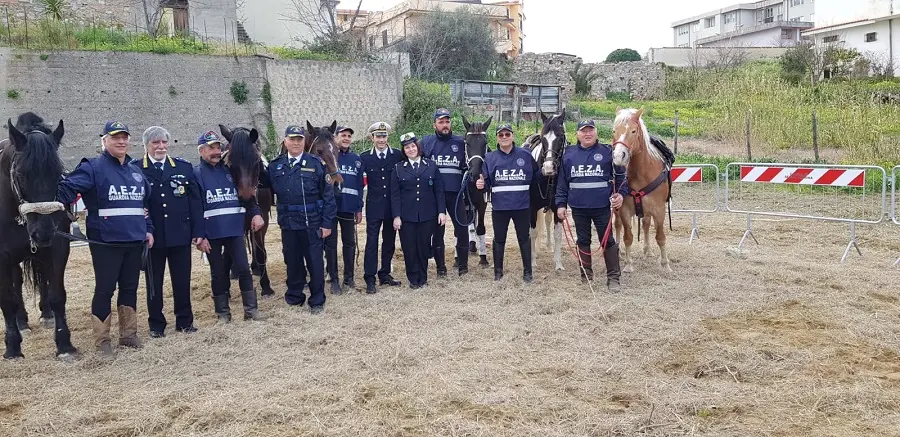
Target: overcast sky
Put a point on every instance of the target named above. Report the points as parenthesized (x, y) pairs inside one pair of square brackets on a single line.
[(593, 28)]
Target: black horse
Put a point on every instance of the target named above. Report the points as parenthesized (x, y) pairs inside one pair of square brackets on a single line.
[(476, 149), (251, 176), (30, 221), (547, 149)]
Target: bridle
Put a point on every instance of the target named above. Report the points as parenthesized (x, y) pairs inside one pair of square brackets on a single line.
[(469, 159), (26, 207)]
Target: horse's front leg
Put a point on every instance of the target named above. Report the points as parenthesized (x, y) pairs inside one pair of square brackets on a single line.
[(548, 223), (10, 306), (557, 245), (645, 224), (661, 242), (480, 231), (626, 215), (56, 300)]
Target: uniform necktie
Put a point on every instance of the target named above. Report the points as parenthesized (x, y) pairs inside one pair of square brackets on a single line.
[(293, 161), (381, 155), (415, 166), (158, 165)]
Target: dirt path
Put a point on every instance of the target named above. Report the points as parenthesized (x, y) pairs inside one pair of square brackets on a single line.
[(780, 341)]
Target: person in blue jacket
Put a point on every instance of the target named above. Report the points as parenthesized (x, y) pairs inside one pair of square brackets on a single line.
[(417, 201), (591, 185), (223, 215), (509, 172), (117, 196), (176, 208), (448, 151), (306, 211), (379, 164), (348, 196)]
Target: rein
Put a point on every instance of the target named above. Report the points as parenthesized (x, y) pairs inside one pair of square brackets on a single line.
[(463, 194)]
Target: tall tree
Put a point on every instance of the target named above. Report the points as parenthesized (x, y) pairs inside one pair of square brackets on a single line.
[(449, 45)]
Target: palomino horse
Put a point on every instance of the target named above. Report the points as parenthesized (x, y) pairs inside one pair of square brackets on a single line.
[(647, 167), (547, 150), (476, 149), (30, 221), (244, 160)]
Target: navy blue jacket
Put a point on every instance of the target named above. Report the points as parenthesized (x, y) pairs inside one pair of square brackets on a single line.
[(449, 153), (116, 196), (379, 175), (509, 177), (417, 195), (176, 204), (351, 168), (304, 199), (224, 212), (588, 178)]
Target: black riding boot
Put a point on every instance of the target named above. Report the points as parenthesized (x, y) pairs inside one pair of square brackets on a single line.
[(250, 310), (220, 304), (498, 260), (441, 263), (331, 262), (611, 257), (584, 258)]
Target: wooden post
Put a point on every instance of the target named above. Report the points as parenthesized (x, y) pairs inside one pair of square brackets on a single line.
[(815, 129), (676, 131), (749, 154)]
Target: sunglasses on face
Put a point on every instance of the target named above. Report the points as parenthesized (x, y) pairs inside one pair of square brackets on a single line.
[(380, 135), (504, 135)]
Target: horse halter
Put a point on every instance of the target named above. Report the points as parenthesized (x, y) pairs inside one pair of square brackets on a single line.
[(25, 207)]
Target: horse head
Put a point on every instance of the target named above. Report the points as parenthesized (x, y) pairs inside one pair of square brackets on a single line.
[(553, 140), (35, 171), (320, 142), (629, 135), (243, 159), (476, 145)]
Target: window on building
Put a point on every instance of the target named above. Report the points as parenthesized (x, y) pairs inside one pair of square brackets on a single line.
[(384, 38), (871, 36), (800, 18), (695, 26), (787, 33), (728, 18), (796, 2), (710, 22), (828, 39), (683, 30)]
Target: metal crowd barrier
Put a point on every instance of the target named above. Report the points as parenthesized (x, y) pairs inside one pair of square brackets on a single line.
[(895, 178), (698, 194), (849, 194)]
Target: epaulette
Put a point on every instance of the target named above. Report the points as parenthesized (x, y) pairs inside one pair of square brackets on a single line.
[(322, 161), (133, 161), (178, 158)]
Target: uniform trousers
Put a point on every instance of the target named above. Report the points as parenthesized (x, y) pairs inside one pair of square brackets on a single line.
[(302, 250), (388, 246), (179, 258), (219, 271), (114, 267), (460, 232), (521, 219), (415, 241), (346, 222)]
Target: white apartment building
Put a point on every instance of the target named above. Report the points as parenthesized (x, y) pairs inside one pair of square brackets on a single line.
[(768, 23)]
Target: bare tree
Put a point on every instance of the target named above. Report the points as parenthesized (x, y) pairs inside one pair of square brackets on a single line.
[(727, 57), (152, 13), (320, 17)]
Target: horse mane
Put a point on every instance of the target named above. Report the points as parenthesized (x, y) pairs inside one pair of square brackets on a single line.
[(622, 119), (40, 159), (242, 159)]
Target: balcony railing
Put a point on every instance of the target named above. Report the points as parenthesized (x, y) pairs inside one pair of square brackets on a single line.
[(746, 30)]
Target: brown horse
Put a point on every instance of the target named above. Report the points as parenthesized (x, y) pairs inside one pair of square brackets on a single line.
[(648, 176), (319, 141)]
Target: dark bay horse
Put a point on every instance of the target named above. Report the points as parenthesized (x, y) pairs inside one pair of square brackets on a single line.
[(319, 141), (547, 149), (30, 221), (250, 173), (476, 149)]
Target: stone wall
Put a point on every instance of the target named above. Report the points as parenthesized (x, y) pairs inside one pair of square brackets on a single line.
[(189, 94), (641, 79)]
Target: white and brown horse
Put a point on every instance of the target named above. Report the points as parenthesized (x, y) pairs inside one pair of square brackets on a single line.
[(648, 178)]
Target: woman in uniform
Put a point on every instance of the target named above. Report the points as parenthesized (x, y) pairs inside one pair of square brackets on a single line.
[(419, 207)]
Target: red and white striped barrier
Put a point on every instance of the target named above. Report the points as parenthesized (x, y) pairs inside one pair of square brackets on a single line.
[(833, 177), (687, 174), (79, 204)]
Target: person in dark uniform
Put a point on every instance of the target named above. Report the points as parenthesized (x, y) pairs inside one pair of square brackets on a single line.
[(306, 208), (448, 151), (379, 165), (223, 216), (510, 172), (590, 184), (417, 200), (116, 196), (348, 196), (177, 211)]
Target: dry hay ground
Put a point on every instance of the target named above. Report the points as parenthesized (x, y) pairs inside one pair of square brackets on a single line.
[(779, 341)]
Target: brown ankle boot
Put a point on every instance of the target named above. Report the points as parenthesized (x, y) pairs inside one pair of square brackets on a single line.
[(101, 335), (128, 328)]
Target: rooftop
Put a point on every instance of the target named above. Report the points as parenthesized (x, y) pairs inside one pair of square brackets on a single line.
[(849, 24)]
